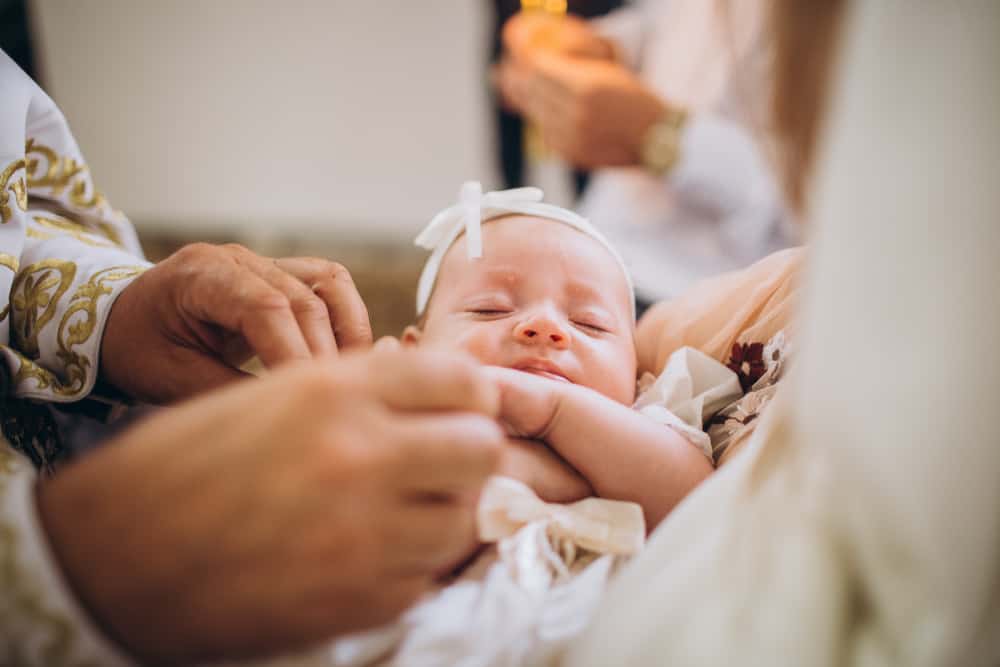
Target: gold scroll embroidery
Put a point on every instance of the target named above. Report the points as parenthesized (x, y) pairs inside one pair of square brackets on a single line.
[(34, 296), (9, 261), (108, 230), (74, 229), (57, 173), (17, 188), (75, 328), (28, 609)]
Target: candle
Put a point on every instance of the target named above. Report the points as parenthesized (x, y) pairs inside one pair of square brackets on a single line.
[(534, 145)]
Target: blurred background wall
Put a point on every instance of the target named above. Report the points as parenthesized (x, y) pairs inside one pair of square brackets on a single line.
[(320, 117), (321, 127), (332, 128)]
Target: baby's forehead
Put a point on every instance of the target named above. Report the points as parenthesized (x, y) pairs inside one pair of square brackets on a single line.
[(521, 238), (523, 248)]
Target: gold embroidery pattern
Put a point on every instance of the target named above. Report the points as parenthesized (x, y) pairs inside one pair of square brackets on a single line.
[(108, 230), (34, 296), (75, 328), (27, 608), (9, 261), (30, 370), (74, 229), (17, 188), (47, 169)]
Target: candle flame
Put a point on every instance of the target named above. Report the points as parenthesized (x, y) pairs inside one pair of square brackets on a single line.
[(554, 7)]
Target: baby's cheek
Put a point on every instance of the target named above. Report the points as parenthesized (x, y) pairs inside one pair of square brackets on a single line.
[(482, 345), (613, 373)]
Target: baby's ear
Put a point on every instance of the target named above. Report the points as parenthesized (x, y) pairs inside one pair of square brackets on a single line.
[(411, 336)]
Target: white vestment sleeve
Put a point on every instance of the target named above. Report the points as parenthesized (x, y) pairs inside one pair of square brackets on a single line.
[(723, 170), (41, 625), (65, 253)]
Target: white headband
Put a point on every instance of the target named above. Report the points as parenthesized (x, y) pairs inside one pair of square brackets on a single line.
[(475, 208)]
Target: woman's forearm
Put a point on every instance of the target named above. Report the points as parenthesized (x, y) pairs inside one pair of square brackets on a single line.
[(625, 455)]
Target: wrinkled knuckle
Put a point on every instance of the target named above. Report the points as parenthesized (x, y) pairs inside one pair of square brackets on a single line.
[(269, 301), (361, 331), (193, 252), (234, 249), (309, 305), (339, 273)]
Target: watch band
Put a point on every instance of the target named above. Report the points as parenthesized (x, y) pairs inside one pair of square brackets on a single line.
[(661, 146)]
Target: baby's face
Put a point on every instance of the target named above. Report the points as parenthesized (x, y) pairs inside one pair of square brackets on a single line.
[(544, 298)]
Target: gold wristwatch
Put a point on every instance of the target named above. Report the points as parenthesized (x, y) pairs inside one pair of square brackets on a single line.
[(661, 145)]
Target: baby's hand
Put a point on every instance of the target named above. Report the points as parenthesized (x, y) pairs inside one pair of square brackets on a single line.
[(529, 404)]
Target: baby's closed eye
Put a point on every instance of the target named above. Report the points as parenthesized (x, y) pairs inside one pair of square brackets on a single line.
[(592, 322), (489, 308), (489, 312)]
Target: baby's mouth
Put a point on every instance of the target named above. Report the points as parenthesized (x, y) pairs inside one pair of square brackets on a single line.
[(543, 368)]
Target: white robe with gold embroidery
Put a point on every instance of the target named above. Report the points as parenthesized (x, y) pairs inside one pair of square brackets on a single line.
[(65, 255)]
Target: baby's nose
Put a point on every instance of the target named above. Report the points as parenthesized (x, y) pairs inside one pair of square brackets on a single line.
[(542, 331)]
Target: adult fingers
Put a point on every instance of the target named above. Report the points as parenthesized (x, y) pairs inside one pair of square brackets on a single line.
[(203, 372), (329, 609), (517, 386), (333, 284), (510, 81), (309, 309), (407, 379), (430, 536), (387, 343), (444, 456), (519, 33), (226, 293)]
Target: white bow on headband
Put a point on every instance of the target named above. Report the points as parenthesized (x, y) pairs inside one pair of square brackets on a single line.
[(474, 208)]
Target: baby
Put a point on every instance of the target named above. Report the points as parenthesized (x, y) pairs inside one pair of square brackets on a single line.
[(536, 292)]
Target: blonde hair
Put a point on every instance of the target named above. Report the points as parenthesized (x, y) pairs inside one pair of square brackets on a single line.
[(806, 34)]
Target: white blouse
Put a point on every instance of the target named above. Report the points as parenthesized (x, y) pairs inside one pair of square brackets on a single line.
[(720, 208)]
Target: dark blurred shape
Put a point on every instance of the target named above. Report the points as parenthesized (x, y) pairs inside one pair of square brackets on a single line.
[(510, 127), (15, 36)]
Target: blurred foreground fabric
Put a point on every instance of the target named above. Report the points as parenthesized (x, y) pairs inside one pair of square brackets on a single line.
[(861, 525)]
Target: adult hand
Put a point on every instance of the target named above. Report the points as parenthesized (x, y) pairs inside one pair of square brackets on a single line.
[(528, 32), (186, 324), (591, 112), (276, 513)]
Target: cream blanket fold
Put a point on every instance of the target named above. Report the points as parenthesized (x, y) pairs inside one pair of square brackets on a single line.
[(517, 604)]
